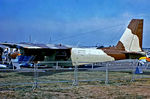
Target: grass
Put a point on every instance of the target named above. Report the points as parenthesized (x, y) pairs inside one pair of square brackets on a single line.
[(120, 85)]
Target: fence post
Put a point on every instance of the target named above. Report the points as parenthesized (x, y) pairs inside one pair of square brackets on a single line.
[(13, 66), (106, 76), (75, 83), (35, 85), (56, 64), (92, 65), (133, 70)]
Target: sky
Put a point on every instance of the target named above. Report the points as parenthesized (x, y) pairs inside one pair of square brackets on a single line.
[(71, 22)]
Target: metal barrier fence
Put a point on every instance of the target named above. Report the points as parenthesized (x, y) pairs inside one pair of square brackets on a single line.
[(117, 72)]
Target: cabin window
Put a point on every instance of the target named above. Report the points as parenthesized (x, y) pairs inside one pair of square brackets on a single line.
[(61, 55)]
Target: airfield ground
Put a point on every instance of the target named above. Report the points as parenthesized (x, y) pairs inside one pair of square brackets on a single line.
[(137, 90), (58, 84), (116, 89)]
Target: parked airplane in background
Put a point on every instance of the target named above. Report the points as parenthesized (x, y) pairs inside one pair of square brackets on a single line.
[(129, 47)]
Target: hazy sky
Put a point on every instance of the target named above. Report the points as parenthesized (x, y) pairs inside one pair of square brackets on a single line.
[(72, 22)]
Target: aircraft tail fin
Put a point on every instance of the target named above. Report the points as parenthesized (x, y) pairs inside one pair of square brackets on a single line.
[(131, 40)]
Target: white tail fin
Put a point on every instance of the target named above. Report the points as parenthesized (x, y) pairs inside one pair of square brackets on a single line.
[(131, 40)]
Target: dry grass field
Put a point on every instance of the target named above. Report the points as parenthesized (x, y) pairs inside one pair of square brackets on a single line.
[(120, 85)]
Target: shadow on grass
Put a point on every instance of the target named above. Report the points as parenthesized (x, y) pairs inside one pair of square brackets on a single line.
[(2, 76), (129, 72)]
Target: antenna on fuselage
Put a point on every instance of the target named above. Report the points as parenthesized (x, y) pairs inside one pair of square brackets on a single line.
[(30, 38), (50, 39)]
